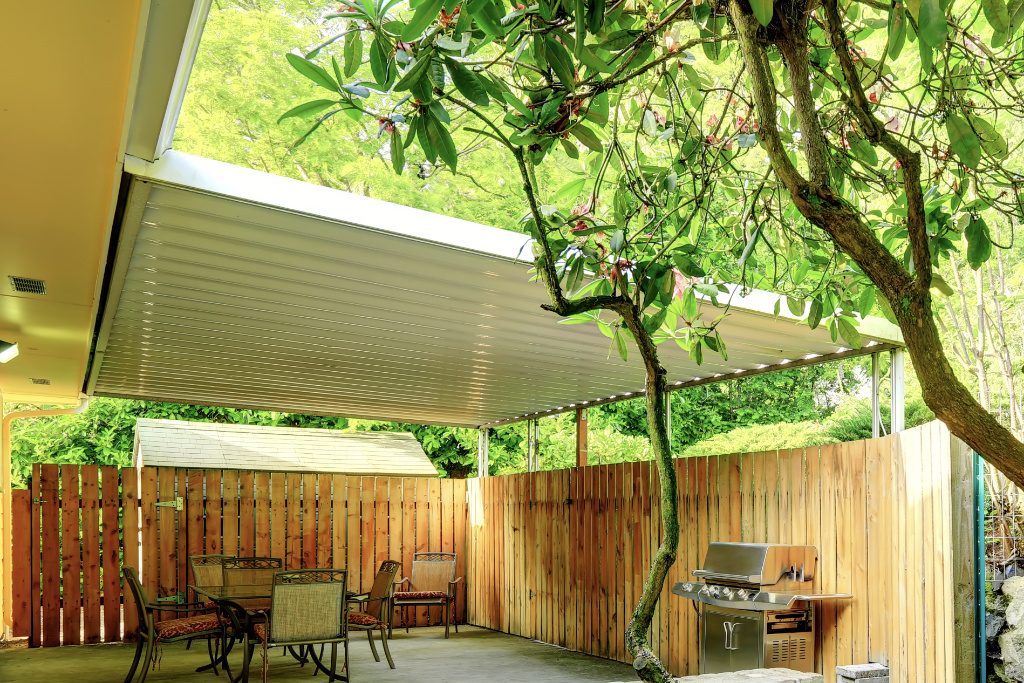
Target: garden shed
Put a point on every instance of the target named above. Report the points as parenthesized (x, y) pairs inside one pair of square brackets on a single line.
[(204, 445)]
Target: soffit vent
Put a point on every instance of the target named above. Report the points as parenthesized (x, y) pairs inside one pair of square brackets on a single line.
[(27, 285), (40, 380)]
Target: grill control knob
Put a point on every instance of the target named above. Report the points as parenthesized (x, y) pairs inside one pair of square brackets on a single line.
[(727, 593), (713, 591), (743, 594), (687, 587)]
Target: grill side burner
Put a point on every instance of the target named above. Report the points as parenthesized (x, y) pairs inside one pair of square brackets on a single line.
[(755, 606)]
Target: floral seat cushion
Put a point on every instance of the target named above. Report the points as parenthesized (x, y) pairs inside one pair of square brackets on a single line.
[(363, 619), (174, 628), (261, 631), (420, 595)]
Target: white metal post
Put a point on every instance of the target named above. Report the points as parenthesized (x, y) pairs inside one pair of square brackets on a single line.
[(876, 407), (532, 446), (898, 406), (483, 445)]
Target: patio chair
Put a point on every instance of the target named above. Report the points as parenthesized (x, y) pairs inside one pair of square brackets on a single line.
[(307, 607), (152, 633), (376, 608), (208, 570), (251, 571), (433, 583)]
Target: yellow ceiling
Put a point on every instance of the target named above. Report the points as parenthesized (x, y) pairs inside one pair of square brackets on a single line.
[(66, 82)]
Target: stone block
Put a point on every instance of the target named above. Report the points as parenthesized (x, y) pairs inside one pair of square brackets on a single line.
[(869, 673)]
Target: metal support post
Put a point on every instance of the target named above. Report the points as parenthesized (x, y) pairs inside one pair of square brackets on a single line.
[(482, 448), (532, 446), (876, 406), (898, 405)]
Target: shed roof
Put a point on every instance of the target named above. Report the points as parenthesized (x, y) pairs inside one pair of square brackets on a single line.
[(206, 445)]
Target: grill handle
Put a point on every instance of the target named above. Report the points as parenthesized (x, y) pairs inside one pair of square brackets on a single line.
[(705, 574)]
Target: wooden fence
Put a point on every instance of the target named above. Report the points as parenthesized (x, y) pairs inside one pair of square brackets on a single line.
[(79, 525), (561, 556)]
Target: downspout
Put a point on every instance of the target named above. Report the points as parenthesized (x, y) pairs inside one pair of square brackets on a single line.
[(7, 578)]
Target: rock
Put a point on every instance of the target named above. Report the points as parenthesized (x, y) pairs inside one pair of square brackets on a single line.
[(1013, 588), (993, 625), (1011, 647)]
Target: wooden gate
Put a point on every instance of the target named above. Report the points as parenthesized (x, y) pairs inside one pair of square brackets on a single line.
[(78, 526)]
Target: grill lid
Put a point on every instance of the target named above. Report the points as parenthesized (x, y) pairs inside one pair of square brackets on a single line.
[(763, 564)]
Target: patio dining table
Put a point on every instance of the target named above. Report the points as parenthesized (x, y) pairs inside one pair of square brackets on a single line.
[(244, 601)]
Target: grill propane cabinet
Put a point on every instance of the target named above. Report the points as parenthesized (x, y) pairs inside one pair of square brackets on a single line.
[(755, 606)]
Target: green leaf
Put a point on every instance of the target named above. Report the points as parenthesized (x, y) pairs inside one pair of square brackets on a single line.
[(932, 23), (687, 266), (561, 62), (313, 72), (814, 316), (992, 141), (849, 332), (442, 142), (897, 29), (962, 139), (421, 18), (397, 152), (979, 243), (417, 71), (353, 52), (763, 10), (467, 82), (306, 108), (620, 344), (380, 63), (997, 14), (796, 305), (940, 285), (595, 15), (586, 136)]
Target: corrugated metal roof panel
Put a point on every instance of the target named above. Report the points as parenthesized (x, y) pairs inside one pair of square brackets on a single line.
[(287, 296), (180, 443)]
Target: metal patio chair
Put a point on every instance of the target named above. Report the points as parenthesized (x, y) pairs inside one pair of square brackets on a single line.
[(376, 608), (251, 571), (208, 570), (307, 607), (152, 633), (433, 582)]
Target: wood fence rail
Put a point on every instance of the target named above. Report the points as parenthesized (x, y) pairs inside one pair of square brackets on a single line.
[(562, 556), (79, 525)]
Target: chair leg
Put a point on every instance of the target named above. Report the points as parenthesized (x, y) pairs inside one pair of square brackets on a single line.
[(387, 651), (150, 652), (373, 648), (213, 656), (135, 662), (405, 617), (334, 663), (445, 612), (455, 614)]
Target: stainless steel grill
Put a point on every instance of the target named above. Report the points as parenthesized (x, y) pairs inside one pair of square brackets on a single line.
[(755, 605)]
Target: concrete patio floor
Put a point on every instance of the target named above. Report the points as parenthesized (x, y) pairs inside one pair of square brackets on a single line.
[(473, 655)]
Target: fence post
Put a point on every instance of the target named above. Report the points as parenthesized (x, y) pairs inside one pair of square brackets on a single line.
[(581, 437), (968, 614), (896, 376)]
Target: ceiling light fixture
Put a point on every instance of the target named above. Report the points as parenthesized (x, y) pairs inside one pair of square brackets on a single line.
[(8, 351)]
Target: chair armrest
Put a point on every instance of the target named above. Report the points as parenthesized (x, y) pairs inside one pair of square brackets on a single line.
[(451, 586), (359, 597), (404, 579)]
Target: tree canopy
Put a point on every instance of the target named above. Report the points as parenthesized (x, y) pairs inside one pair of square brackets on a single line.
[(838, 152)]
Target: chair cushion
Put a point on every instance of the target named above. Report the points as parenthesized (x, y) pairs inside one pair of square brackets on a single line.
[(261, 632), (363, 619), (173, 628), (420, 595)]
